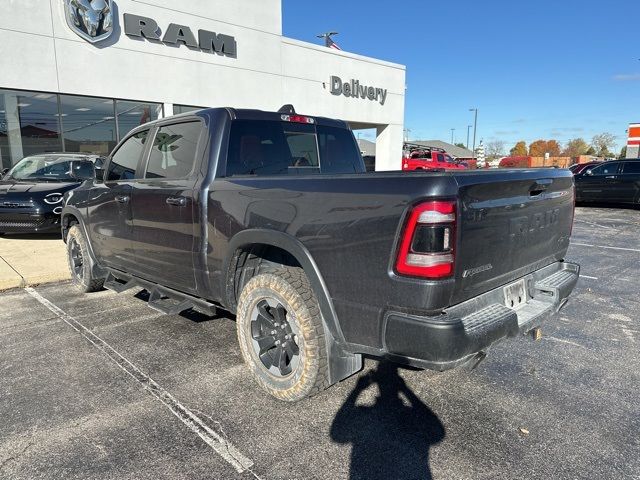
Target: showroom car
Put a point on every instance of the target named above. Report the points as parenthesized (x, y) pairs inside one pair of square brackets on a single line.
[(32, 192), (610, 182)]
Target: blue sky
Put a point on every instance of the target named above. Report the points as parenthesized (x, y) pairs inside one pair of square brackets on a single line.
[(535, 69)]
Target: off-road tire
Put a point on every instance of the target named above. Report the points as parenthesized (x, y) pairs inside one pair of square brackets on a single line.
[(84, 279), (290, 286)]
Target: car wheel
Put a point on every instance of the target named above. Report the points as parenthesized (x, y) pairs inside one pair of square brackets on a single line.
[(78, 260), (281, 335)]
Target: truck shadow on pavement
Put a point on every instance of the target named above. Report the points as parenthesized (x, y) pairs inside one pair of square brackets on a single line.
[(391, 439)]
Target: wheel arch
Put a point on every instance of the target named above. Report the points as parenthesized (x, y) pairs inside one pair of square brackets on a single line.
[(71, 216), (252, 238)]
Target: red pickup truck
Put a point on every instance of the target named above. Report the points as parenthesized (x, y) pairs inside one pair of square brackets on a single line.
[(420, 157)]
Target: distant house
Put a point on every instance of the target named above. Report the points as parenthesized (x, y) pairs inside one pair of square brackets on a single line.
[(453, 150)]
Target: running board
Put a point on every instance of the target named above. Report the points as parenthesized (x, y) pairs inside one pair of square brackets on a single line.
[(162, 299)]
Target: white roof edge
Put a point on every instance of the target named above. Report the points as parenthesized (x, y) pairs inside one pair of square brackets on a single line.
[(341, 53)]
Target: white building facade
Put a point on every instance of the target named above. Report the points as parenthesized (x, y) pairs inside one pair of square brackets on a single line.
[(74, 78)]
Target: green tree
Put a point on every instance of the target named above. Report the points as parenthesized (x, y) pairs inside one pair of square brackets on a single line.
[(575, 148), (591, 151), (460, 144), (623, 153), (520, 150)]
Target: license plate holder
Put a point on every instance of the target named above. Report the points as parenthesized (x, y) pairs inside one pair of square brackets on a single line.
[(515, 295)]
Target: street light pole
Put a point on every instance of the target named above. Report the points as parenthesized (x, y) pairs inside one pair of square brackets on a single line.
[(475, 126), (452, 130), (468, 127)]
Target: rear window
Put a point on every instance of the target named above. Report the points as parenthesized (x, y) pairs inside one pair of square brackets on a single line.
[(283, 148), (631, 167)]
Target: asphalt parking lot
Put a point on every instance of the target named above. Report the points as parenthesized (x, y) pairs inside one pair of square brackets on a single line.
[(100, 386)]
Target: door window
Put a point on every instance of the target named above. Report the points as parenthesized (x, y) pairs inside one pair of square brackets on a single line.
[(125, 160), (174, 150), (608, 169), (632, 167)]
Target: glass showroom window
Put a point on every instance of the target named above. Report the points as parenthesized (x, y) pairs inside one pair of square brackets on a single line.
[(134, 114), (88, 124), (184, 109), (29, 124)]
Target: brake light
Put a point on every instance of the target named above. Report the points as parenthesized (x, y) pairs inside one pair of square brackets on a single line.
[(297, 119), (427, 247)]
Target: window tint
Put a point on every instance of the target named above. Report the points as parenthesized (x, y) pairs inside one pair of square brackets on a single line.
[(281, 148), (338, 151), (631, 167), (271, 148), (608, 169), (173, 154), (125, 161)]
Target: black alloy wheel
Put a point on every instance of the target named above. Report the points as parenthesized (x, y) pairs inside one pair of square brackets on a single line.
[(273, 339), (76, 259)]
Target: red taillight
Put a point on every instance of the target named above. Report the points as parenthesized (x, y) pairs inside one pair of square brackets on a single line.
[(297, 119), (427, 247)]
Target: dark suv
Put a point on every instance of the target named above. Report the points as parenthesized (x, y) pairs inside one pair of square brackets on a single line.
[(610, 182)]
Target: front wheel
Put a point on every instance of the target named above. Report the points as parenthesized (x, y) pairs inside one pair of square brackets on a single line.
[(79, 264), (281, 335)]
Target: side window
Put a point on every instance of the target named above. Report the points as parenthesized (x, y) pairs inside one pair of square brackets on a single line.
[(174, 150), (631, 167), (338, 151), (608, 169), (125, 160)]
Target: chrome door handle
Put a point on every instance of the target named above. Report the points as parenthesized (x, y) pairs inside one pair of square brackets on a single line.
[(122, 198), (177, 201), (610, 176)]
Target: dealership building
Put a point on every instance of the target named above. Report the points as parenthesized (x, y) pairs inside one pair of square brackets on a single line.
[(77, 75)]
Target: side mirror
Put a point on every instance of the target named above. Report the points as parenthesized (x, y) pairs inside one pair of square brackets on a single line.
[(4, 172), (99, 174)]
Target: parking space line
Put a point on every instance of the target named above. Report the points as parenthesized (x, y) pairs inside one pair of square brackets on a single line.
[(219, 444), (603, 246), (588, 277), (594, 224)]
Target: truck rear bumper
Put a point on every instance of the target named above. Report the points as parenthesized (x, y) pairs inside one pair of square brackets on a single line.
[(468, 329)]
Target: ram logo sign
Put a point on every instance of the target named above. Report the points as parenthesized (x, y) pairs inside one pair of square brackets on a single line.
[(90, 19)]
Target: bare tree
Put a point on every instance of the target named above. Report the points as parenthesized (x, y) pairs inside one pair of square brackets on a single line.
[(494, 149), (603, 143)]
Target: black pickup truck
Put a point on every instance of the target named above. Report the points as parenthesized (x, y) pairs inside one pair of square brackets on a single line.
[(271, 216)]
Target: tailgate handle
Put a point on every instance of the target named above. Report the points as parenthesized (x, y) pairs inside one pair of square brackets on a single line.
[(539, 187)]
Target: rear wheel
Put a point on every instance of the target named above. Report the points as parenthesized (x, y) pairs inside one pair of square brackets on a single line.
[(281, 335), (78, 261)]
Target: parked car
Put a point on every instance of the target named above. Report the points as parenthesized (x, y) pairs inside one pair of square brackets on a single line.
[(31, 192), (420, 157), (610, 182), (579, 167), (271, 216)]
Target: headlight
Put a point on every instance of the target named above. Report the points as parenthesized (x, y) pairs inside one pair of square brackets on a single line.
[(53, 198)]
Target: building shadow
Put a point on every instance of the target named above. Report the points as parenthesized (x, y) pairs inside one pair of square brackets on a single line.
[(390, 439)]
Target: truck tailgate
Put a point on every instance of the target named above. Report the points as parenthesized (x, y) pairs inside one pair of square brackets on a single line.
[(511, 222)]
